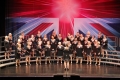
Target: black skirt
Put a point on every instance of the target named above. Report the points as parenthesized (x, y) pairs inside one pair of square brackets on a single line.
[(38, 54), (17, 53), (47, 52), (17, 56), (66, 57), (79, 52), (98, 55)]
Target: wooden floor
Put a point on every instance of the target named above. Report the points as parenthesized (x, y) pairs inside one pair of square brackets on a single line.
[(49, 70)]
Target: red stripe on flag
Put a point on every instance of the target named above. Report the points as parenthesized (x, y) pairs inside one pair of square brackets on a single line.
[(65, 28), (102, 29), (40, 28)]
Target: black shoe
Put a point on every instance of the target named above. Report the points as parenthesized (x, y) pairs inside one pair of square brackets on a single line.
[(64, 68), (19, 65), (67, 68)]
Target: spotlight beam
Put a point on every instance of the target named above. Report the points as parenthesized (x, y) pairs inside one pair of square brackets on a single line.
[(65, 10)]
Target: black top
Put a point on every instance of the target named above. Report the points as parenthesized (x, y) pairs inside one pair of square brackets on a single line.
[(55, 36), (34, 44), (74, 45), (79, 50), (70, 49), (59, 40), (47, 51), (44, 42), (105, 44), (18, 53), (60, 50), (82, 41), (10, 43), (100, 39), (89, 39), (98, 51), (68, 39), (88, 50), (77, 37), (53, 44), (38, 51), (36, 37), (23, 43), (94, 48), (6, 44), (92, 43), (84, 45), (28, 50), (66, 54)]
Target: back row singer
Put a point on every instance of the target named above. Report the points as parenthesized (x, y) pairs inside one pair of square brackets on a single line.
[(77, 47)]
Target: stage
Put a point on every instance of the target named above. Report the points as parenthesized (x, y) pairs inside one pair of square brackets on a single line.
[(49, 70)]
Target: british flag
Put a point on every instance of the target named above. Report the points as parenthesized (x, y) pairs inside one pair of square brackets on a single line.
[(29, 16)]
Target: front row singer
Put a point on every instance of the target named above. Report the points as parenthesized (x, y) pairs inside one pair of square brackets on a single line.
[(59, 54), (38, 54), (66, 57), (79, 54), (47, 52), (18, 52), (98, 54), (88, 52), (28, 51)]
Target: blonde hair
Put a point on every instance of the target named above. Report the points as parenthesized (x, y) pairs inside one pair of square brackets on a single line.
[(20, 36), (89, 42), (18, 45), (59, 43), (6, 37), (88, 32), (19, 40), (98, 42), (10, 34)]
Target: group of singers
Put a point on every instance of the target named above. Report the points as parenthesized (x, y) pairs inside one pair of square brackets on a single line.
[(77, 47)]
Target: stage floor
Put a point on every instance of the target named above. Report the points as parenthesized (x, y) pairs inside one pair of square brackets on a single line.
[(49, 70)]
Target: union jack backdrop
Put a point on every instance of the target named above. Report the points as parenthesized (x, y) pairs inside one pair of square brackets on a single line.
[(63, 16)]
